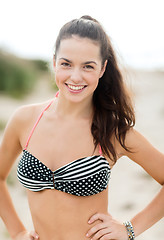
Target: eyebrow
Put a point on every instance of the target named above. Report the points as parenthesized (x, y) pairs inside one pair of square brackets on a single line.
[(88, 62)]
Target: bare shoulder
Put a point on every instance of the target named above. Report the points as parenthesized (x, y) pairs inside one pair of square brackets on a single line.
[(145, 154), (20, 123), (25, 113), (136, 142), (134, 139)]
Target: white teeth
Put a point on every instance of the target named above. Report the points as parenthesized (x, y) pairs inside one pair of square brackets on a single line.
[(75, 88)]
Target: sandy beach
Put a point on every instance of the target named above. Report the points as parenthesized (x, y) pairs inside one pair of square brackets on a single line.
[(130, 188)]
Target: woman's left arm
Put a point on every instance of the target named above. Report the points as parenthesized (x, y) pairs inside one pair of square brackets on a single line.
[(148, 157), (152, 161)]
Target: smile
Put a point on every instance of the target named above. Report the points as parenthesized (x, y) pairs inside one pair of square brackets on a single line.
[(75, 88)]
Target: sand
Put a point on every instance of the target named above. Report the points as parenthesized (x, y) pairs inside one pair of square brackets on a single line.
[(130, 188)]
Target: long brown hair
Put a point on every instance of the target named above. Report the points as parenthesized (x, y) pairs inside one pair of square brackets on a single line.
[(113, 110)]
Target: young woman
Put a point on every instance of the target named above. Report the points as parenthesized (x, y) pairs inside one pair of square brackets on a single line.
[(71, 143)]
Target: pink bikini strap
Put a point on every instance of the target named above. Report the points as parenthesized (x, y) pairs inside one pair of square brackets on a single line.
[(37, 123), (57, 94), (100, 150)]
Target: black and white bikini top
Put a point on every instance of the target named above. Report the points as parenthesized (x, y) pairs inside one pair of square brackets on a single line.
[(82, 177)]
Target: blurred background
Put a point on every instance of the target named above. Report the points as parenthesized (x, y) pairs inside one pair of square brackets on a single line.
[(28, 30)]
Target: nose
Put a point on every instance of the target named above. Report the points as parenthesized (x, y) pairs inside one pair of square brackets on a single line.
[(76, 75)]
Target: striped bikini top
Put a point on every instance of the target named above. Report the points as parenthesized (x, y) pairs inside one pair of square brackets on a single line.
[(82, 177)]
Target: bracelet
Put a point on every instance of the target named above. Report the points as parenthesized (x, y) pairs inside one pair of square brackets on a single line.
[(130, 230)]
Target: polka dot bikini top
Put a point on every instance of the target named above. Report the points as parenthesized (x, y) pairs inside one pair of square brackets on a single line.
[(82, 177)]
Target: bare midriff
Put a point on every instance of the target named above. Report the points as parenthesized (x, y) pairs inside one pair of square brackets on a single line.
[(61, 216)]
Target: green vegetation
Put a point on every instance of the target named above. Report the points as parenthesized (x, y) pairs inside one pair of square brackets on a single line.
[(15, 80), (19, 76), (2, 125), (40, 65)]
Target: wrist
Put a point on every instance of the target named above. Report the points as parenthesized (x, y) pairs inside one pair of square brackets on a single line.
[(130, 231)]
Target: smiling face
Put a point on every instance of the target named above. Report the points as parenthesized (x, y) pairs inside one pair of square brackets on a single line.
[(78, 67)]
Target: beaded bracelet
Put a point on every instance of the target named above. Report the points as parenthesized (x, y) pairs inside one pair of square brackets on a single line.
[(130, 230)]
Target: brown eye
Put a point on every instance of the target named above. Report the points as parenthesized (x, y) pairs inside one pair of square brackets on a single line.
[(65, 64), (88, 67)]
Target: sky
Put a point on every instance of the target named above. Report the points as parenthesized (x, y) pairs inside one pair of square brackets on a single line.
[(28, 28)]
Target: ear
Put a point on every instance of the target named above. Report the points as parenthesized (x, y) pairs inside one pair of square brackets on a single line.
[(103, 69)]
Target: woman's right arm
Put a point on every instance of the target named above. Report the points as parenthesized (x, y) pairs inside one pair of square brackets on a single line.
[(10, 148)]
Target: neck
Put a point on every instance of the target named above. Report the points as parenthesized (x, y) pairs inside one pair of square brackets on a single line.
[(66, 108)]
